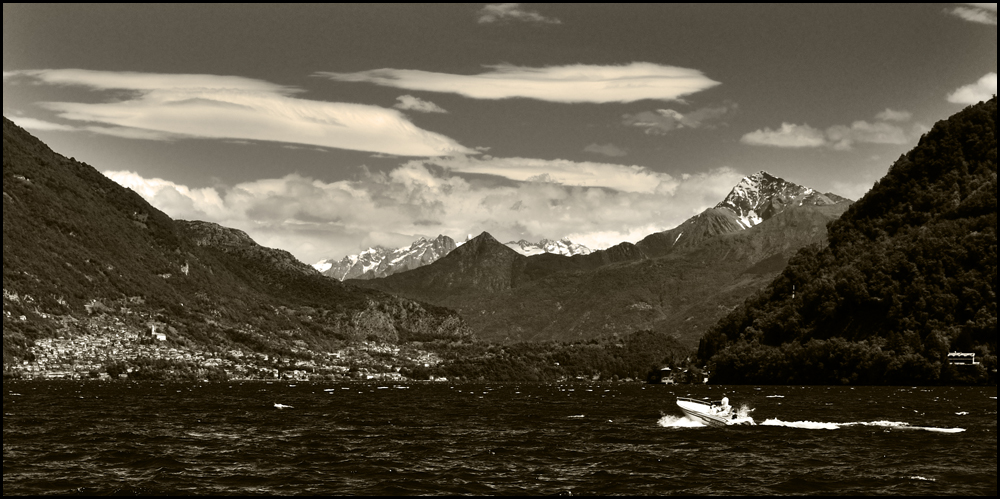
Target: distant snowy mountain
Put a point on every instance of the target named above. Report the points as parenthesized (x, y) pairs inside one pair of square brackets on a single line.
[(761, 196), (380, 262), (563, 247)]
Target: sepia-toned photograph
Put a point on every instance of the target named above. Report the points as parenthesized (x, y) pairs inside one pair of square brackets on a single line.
[(499, 249)]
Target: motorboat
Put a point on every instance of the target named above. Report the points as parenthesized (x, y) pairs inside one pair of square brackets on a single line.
[(713, 413)]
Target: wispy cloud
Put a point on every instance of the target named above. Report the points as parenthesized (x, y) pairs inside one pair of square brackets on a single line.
[(787, 136), (162, 106), (411, 103), (561, 172), (573, 83), (885, 130), (505, 12), (663, 121), (982, 90), (891, 115), (41, 125), (981, 13), (316, 220), (115, 131), (609, 150)]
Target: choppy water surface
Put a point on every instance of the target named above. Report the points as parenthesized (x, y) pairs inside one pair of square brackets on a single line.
[(491, 439)]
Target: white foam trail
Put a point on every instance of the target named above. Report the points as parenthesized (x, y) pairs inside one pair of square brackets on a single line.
[(775, 396), (802, 425), (894, 425), (922, 479), (678, 422)]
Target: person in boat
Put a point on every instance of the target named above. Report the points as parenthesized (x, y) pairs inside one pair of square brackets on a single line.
[(724, 405)]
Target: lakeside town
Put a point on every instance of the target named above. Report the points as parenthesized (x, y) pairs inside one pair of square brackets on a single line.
[(113, 349)]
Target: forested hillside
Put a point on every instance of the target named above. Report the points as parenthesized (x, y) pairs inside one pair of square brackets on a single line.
[(86, 258), (909, 275)]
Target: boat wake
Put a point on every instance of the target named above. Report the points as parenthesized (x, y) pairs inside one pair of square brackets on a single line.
[(679, 422), (888, 425), (683, 422)]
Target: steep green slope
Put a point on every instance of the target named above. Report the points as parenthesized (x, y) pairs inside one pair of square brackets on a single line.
[(909, 275), (77, 246)]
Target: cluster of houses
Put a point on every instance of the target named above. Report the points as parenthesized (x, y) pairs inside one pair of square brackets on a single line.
[(87, 356)]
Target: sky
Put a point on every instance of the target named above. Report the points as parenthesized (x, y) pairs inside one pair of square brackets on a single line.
[(326, 129)]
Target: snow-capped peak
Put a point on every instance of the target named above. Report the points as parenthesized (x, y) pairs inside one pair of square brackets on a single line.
[(563, 247), (380, 262), (760, 196)]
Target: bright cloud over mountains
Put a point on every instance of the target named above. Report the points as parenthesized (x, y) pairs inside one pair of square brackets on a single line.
[(420, 197)]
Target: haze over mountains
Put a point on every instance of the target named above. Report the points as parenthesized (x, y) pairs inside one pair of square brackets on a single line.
[(677, 282)]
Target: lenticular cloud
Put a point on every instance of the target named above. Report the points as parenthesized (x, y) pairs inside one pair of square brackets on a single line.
[(163, 106), (567, 84)]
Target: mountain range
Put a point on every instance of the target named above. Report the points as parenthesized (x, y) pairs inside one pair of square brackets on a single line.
[(379, 261), (777, 283), (563, 247), (677, 282)]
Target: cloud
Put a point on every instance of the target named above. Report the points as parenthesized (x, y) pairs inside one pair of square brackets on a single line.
[(663, 121), (788, 136), (40, 125), (503, 12), (561, 172), (411, 103), (837, 137), (843, 137), (567, 84), (982, 90), (890, 115), (317, 220), (981, 13), (609, 150), (168, 106)]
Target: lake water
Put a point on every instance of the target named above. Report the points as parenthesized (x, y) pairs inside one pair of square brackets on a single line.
[(491, 439)]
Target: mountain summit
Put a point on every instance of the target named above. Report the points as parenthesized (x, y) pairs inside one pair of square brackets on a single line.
[(761, 196), (756, 199)]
